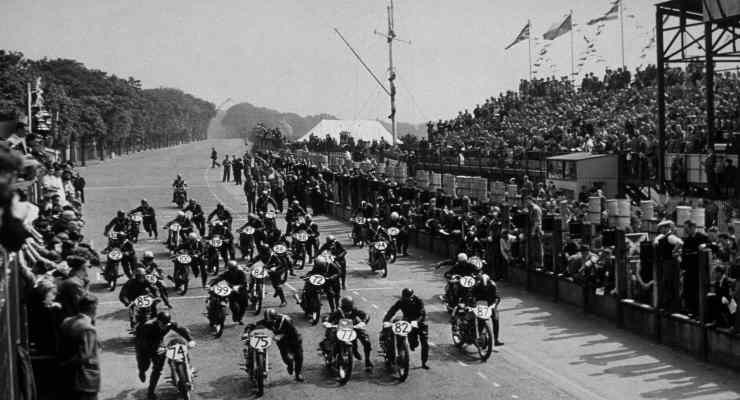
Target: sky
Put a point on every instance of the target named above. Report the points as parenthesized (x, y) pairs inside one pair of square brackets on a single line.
[(284, 54)]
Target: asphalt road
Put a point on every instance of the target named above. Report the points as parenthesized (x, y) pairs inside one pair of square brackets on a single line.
[(551, 351)]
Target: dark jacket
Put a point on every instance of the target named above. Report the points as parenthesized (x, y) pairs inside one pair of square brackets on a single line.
[(78, 354)]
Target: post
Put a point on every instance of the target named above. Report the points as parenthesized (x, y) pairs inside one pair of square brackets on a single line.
[(709, 81), (621, 29), (572, 54), (29, 110), (529, 40), (661, 94), (391, 72)]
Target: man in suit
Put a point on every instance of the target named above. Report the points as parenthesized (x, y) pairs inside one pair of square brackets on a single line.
[(227, 169), (214, 157), (237, 166), (78, 353)]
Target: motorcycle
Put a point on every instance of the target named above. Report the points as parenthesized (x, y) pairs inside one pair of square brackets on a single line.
[(257, 292), (300, 239), (340, 356), (217, 307), (111, 272), (393, 233), (359, 234), (473, 328), (246, 242), (393, 341), (134, 226), (311, 302), (140, 310), (214, 247), (458, 288), (181, 274), (256, 359), (181, 196), (177, 354), (378, 261), (173, 240)]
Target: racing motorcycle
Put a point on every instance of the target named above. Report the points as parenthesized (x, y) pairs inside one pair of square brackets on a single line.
[(311, 301), (217, 307), (177, 354), (256, 360), (392, 252), (181, 274), (134, 226), (359, 231), (378, 260), (300, 249), (181, 196), (111, 272), (246, 242), (339, 356), (213, 249), (393, 341), (141, 309), (173, 240), (257, 286)]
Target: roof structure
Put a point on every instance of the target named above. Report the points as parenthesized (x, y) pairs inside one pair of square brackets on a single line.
[(576, 156), (366, 130)]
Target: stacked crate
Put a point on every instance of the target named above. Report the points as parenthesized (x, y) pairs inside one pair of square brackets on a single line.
[(435, 181), (498, 191), (449, 183), (422, 179)]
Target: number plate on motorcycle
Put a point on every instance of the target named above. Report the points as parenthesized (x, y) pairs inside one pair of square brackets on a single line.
[(151, 278), (393, 231), (175, 227), (143, 302), (177, 352), (115, 255), (184, 259), (259, 342), (477, 262), (269, 215), (317, 280), (259, 272), (301, 236), (216, 242), (222, 290), (328, 256), (380, 246), (279, 249), (136, 218), (467, 281), (249, 230), (402, 328), (482, 311), (346, 334)]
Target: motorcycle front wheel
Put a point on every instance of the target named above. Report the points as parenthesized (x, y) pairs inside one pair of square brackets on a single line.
[(344, 364), (402, 361), (484, 343), (260, 373)]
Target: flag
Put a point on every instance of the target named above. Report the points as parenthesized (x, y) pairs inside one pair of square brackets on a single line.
[(613, 13), (559, 28), (522, 36)]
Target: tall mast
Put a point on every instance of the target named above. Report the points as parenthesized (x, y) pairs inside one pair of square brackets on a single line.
[(391, 72)]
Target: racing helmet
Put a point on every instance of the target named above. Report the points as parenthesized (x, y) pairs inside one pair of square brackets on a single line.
[(148, 255), (394, 215), (346, 303), (462, 257)]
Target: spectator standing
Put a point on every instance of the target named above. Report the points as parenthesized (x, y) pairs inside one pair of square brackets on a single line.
[(78, 353), (74, 287), (214, 157), (237, 166), (79, 184), (227, 169)]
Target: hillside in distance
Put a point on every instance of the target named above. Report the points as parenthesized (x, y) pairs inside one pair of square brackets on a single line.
[(240, 118)]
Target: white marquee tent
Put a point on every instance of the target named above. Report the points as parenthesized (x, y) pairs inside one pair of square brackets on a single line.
[(366, 130)]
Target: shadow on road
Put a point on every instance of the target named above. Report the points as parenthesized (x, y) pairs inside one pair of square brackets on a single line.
[(119, 345)]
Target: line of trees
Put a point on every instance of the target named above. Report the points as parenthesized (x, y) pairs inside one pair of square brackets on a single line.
[(95, 107)]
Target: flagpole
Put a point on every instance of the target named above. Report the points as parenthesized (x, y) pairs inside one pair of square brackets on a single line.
[(529, 24), (572, 55), (621, 23)]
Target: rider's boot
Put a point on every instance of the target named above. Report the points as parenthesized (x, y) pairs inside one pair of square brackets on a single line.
[(281, 295), (496, 342), (297, 299), (368, 364), (356, 352)]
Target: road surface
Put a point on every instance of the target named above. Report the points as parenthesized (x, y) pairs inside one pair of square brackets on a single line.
[(551, 351)]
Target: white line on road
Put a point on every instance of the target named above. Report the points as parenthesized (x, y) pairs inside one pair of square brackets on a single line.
[(433, 344), (374, 306), (462, 363), (364, 298), (356, 293), (171, 299), (496, 385), (482, 375), (290, 286)]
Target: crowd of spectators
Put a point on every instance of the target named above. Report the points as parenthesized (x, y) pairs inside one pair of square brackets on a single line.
[(41, 228)]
